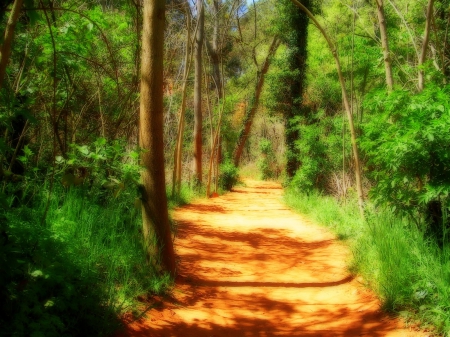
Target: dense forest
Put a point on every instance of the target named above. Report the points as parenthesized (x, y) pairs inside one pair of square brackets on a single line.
[(113, 112)]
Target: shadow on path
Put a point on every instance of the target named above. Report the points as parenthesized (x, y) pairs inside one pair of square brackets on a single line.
[(247, 266)]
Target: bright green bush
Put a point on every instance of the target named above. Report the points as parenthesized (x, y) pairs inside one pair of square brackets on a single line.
[(407, 144), (76, 272), (229, 175), (320, 151), (71, 256), (266, 164)]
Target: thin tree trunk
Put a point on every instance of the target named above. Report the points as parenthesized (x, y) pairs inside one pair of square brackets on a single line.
[(198, 117), (385, 45), (215, 141), (347, 107), (5, 50), (154, 201), (218, 158), (211, 157), (426, 38), (411, 36), (176, 181), (248, 119), (214, 51)]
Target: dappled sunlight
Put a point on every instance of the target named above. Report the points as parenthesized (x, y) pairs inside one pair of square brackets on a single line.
[(248, 266)]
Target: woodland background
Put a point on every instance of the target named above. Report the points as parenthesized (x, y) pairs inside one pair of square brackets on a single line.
[(250, 88)]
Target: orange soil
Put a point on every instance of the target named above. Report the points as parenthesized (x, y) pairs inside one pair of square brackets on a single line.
[(249, 266)]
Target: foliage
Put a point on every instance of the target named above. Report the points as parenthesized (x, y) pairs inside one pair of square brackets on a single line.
[(72, 258), (266, 163), (229, 174), (102, 163), (407, 145), (293, 31), (74, 273)]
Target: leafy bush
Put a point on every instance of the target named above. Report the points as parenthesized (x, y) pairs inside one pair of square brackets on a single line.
[(103, 163), (266, 163), (229, 175), (407, 144), (320, 151), (73, 271)]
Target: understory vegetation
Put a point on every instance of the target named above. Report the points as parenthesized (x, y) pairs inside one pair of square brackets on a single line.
[(72, 257), (395, 256)]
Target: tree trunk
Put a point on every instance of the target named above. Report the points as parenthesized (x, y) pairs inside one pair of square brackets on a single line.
[(5, 50), (248, 119), (385, 45), (426, 38), (296, 41), (198, 117), (176, 182), (154, 201), (215, 52), (347, 107)]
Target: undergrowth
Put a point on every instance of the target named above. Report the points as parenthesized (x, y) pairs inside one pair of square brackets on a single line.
[(407, 269), (79, 270)]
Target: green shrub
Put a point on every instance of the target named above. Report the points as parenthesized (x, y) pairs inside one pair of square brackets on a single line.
[(71, 256), (407, 143), (266, 163), (229, 175)]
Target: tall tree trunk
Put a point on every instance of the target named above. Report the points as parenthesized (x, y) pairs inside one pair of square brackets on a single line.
[(426, 38), (5, 50), (296, 41), (154, 202), (248, 119), (198, 116), (347, 107), (214, 51), (176, 182), (385, 45)]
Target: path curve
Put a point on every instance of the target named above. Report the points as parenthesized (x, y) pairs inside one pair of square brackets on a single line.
[(249, 266)]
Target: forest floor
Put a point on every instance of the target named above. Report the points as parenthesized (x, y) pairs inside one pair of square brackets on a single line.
[(249, 266)]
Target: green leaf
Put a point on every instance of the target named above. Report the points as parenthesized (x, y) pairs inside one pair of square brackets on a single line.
[(37, 273), (27, 151), (49, 304)]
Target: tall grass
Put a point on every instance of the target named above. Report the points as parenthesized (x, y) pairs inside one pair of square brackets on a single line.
[(75, 273), (407, 269)]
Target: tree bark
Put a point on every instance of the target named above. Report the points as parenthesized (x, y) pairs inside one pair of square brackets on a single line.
[(176, 182), (5, 50), (426, 38), (248, 119), (215, 52), (198, 116), (346, 104), (385, 45), (154, 201)]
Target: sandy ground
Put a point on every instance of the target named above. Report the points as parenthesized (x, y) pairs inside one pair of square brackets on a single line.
[(249, 266)]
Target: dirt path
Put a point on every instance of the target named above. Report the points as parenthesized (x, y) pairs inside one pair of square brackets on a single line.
[(251, 267)]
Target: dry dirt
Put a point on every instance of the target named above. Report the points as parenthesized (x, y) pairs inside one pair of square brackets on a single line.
[(249, 266)]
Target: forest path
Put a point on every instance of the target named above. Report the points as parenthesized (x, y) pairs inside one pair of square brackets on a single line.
[(249, 266)]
